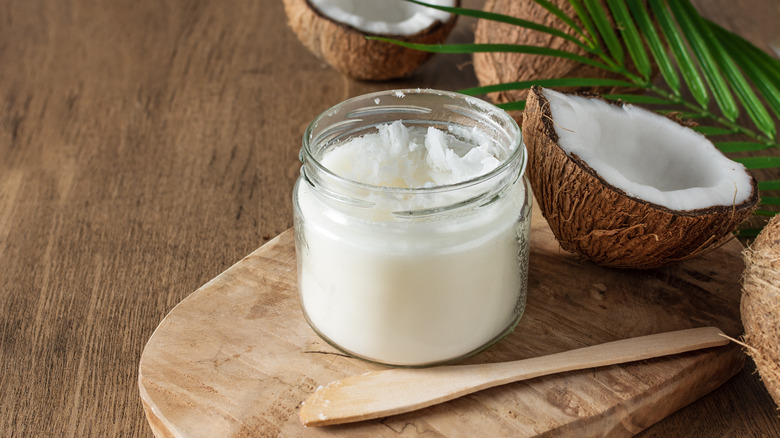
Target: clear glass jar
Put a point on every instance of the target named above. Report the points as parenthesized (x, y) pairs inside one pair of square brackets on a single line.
[(412, 276)]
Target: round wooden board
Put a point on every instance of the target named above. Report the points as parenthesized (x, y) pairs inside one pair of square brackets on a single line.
[(236, 358)]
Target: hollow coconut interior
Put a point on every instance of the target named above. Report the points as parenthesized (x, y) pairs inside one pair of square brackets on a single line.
[(646, 155), (383, 17)]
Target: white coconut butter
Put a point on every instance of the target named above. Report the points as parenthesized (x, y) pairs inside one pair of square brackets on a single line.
[(412, 233), (397, 156)]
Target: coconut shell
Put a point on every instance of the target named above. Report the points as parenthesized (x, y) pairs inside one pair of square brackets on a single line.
[(600, 222), (347, 50), (760, 306)]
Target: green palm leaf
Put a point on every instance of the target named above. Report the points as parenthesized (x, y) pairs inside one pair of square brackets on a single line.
[(587, 22), (639, 99), (655, 45), (765, 162), (554, 82), (730, 147), (769, 185), (679, 49), (750, 232), (556, 11), (759, 72), (485, 48), (688, 24), (512, 106), (770, 200), (605, 29), (631, 37), (706, 38), (713, 130)]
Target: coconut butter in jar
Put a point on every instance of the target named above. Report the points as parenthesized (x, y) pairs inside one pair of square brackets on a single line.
[(412, 218)]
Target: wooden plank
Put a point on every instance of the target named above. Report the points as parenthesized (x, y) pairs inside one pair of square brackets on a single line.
[(237, 357)]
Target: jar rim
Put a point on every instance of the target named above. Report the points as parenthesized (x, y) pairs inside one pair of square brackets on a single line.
[(307, 156)]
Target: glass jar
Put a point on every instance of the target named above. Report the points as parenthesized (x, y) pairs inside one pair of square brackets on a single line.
[(412, 276)]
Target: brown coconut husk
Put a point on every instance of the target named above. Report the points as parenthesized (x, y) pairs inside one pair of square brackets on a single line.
[(500, 67), (600, 222), (347, 50), (760, 306)]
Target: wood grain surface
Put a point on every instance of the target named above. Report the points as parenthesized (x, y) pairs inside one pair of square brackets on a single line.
[(148, 145), (237, 358)]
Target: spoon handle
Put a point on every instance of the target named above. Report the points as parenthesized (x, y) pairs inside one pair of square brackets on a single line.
[(389, 392)]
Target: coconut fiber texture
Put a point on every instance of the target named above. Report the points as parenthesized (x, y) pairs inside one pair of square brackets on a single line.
[(347, 50), (599, 221), (760, 307)]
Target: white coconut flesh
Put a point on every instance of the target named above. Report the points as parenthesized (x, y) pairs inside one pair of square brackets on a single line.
[(646, 155), (384, 17)]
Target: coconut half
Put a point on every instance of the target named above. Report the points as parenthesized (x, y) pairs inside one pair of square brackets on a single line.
[(625, 187), (335, 31), (760, 306)]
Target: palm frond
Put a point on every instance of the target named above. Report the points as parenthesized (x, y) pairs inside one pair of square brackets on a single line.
[(604, 27), (569, 21), (770, 200), (713, 130), (512, 106), (631, 37), (553, 82), (587, 22), (730, 147), (678, 48), (688, 24), (762, 71), (769, 185), (639, 99), (764, 162), (749, 233), (486, 48), (654, 43), (753, 106)]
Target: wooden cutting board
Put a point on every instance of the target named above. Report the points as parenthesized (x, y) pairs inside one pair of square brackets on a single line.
[(236, 358)]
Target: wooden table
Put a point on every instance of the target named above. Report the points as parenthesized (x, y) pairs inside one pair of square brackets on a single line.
[(146, 146)]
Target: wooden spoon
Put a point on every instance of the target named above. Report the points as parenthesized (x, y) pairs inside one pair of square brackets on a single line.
[(389, 392)]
